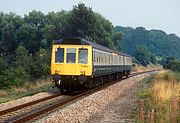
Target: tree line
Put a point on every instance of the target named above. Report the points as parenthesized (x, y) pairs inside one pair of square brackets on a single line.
[(155, 41), (151, 46), (25, 42), (171, 63)]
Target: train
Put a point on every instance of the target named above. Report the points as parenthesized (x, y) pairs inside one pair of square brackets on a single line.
[(79, 63)]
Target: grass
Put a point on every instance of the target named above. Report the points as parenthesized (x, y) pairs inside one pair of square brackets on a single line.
[(28, 89), (140, 68), (160, 101)]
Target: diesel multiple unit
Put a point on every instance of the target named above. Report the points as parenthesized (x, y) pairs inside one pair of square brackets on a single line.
[(78, 63)]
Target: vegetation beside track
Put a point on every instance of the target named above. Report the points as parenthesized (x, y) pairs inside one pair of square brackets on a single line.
[(140, 68), (159, 101), (28, 89)]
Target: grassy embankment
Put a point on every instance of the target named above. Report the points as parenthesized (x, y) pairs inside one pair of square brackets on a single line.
[(27, 89), (160, 100), (140, 68)]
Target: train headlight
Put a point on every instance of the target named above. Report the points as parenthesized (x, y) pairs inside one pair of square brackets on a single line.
[(57, 71), (82, 71)]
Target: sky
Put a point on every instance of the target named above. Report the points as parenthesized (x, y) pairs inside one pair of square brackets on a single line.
[(151, 14)]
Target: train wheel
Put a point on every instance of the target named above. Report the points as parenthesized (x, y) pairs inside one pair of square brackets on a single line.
[(89, 84), (127, 75), (101, 80), (96, 81), (62, 89)]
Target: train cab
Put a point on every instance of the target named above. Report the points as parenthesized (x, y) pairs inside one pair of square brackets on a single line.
[(71, 62)]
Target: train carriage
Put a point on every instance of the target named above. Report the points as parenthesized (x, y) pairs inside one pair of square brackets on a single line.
[(77, 62)]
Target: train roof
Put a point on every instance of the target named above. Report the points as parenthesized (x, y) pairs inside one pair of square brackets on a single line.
[(80, 41)]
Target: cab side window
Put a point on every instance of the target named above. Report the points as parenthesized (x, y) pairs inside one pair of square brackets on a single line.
[(59, 55), (83, 56)]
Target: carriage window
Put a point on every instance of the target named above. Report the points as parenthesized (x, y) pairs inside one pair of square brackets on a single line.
[(83, 56), (71, 55), (59, 55)]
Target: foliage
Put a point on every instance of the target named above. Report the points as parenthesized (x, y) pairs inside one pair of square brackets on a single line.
[(23, 59), (85, 23), (25, 67), (167, 62), (171, 63), (3, 65), (14, 76), (117, 38), (9, 24), (142, 55), (175, 65), (41, 64), (157, 42), (36, 30), (152, 58)]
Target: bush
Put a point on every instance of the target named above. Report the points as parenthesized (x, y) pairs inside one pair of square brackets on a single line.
[(142, 55), (23, 67), (3, 65), (41, 64), (14, 76), (175, 65)]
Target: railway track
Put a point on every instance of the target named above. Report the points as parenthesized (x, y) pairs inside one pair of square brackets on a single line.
[(8, 115), (30, 111)]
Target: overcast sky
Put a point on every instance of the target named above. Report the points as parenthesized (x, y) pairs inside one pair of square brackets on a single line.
[(151, 14)]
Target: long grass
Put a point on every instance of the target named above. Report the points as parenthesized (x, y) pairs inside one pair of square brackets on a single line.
[(162, 105), (28, 89), (140, 68)]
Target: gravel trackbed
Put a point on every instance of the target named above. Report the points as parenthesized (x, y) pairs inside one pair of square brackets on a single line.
[(93, 108)]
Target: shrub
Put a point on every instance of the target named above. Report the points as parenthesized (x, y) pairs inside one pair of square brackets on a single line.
[(41, 64), (14, 76), (2, 65), (175, 65)]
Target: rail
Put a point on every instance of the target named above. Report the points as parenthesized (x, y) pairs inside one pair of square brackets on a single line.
[(63, 102)]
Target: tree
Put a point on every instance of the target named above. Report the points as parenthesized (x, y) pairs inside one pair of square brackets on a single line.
[(34, 66), (36, 19), (3, 65), (157, 42), (152, 58), (41, 64), (85, 23), (168, 62), (28, 36), (9, 23), (82, 21), (171, 63), (57, 26), (21, 56), (13, 76), (117, 38), (175, 65), (142, 55)]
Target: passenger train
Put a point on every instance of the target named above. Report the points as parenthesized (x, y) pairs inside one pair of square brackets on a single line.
[(76, 62)]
